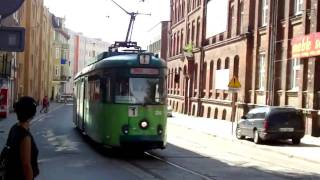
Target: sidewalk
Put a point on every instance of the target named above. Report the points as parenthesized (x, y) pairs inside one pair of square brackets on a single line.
[(6, 123), (309, 149)]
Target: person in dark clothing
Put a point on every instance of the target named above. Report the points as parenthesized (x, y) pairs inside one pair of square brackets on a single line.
[(23, 157)]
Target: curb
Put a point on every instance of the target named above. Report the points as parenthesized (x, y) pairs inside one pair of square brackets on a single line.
[(233, 139)]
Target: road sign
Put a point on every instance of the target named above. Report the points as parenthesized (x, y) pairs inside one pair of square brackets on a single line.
[(8, 7), (234, 83), (12, 39)]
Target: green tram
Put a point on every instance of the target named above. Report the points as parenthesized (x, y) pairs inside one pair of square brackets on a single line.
[(120, 100)]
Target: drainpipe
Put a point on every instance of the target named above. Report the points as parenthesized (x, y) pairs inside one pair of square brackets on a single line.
[(272, 54), (202, 56)]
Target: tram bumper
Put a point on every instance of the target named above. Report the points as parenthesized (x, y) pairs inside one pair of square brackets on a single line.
[(142, 142)]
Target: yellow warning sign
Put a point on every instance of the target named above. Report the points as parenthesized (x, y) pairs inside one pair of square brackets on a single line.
[(234, 83)]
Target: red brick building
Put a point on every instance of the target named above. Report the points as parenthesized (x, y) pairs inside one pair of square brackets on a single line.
[(249, 39)]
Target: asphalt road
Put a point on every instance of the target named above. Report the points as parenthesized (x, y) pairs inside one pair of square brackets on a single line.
[(66, 155)]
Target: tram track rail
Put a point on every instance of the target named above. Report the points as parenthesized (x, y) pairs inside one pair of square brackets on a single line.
[(157, 175), (179, 167)]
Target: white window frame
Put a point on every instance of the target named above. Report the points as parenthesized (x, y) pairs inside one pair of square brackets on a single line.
[(295, 68), (298, 7), (261, 71), (264, 12)]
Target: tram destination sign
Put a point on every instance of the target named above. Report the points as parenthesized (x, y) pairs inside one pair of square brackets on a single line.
[(12, 39), (144, 71)]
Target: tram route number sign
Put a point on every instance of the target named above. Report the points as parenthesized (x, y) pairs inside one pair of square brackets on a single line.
[(12, 39), (133, 111)]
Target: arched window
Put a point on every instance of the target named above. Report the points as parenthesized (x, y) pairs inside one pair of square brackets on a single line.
[(184, 80), (224, 114), (236, 66), (226, 63), (204, 79), (178, 43), (209, 112), (181, 41), (219, 64), (216, 113), (198, 32), (193, 110), (196, 78), (240, 18), (211, 76)]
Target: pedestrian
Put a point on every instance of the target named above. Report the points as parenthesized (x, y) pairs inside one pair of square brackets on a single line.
[(45, 104), (22, 161)]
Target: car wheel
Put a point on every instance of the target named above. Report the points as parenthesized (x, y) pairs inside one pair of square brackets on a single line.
[(296, 141), (238, 134), (256, 137)]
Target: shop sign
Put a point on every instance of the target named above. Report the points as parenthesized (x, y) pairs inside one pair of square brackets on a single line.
[(306, 46)]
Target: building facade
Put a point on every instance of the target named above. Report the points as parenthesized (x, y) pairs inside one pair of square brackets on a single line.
[(158, 39), (253, 43), (85, 50), (30, 60), (35, 64), (62, 73), (82, 52)]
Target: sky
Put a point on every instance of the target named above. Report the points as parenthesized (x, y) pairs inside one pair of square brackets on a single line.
[(103, 19)]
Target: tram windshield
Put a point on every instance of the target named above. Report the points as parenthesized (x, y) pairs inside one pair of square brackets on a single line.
[(140, 91)]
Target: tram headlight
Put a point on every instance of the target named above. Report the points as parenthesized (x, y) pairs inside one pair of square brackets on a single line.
[(144, 124), (125, 129), (160, 130)]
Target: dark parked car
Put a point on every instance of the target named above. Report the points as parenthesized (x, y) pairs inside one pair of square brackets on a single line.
[(271, 123)]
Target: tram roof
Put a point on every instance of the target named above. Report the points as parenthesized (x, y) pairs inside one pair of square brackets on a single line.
[(122, 60)]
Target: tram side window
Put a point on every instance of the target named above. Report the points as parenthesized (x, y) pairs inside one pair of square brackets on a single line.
[(97, 95), (94, 90), (106, 90)]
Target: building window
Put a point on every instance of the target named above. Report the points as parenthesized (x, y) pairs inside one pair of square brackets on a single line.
[(183, 8), (264, 12), (219, 64), (181, 41), (226, 63), (198, 33), (240, 29), (298, 5), (178, 43), (231, 14), (188, 34), (261, 71), (295, 74), (192, 32)]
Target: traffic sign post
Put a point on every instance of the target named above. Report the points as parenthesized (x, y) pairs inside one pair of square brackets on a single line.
[(234, 86)]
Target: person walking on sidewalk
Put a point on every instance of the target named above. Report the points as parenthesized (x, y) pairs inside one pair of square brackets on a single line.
[(45, 104), (22, 161)]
